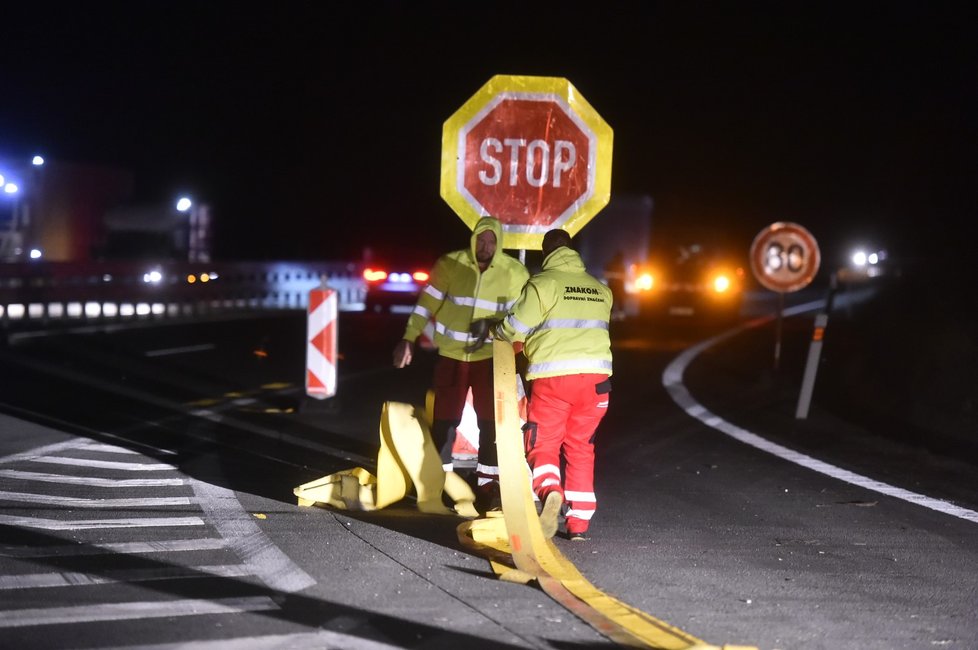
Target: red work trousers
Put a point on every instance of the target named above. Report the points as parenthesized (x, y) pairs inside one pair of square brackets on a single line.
[(452, 380), (563, 414)]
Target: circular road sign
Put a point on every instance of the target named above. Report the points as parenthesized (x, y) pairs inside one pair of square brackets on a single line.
[(529, 151), (784, 257)]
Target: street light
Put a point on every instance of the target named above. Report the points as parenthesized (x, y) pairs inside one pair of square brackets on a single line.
[(37, 161), (184, 204)]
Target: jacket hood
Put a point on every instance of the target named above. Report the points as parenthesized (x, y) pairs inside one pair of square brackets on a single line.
[(564, 258), (482, 225)]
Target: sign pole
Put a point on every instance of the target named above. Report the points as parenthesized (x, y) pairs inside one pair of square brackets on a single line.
[(777, 332), (784, 258)]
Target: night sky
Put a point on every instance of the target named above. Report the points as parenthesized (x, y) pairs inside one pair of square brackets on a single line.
[(314, 129)]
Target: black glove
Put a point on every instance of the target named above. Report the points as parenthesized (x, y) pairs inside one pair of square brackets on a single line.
[(480, 329)]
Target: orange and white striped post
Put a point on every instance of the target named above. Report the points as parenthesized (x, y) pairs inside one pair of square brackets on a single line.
[(321, 338)]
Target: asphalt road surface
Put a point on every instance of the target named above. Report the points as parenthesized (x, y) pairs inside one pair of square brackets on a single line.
[(146, 479)]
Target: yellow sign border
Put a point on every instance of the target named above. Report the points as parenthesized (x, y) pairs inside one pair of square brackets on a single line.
[(557, 86)]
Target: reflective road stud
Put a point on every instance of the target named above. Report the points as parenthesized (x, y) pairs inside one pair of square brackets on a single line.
[(321, 338)]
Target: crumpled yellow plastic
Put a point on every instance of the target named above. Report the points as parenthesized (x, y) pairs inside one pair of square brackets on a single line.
[(407, 459)]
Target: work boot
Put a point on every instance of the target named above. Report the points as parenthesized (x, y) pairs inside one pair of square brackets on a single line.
[(488, 498), (550, 513)]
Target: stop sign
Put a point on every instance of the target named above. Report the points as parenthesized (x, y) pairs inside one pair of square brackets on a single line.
[(529, 151)]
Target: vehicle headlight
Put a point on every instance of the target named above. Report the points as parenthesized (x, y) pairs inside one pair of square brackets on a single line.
[(152, 277), (644, 282), (721, 283)]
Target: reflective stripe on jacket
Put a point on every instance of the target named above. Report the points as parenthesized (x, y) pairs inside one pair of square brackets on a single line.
[(562, 316), (457, 294)]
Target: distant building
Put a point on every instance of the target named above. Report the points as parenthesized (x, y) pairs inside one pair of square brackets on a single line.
[(74, 212), (58, 209)]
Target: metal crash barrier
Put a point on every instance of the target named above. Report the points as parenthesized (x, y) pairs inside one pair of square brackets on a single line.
[(45, 295)]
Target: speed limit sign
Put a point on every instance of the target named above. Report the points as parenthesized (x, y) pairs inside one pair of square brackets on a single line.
[(784, 257)]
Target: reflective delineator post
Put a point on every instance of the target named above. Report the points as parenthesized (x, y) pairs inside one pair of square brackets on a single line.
[(811, 366), (321, 340)]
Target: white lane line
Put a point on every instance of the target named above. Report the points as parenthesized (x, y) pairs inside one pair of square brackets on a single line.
[(116, 548), (104, 464), (672, 379), (244, 537), (93, 481), (164, 352), (133, 610), (78, 502), (322, 639), (107, 449), (75, 579), (93, 524)]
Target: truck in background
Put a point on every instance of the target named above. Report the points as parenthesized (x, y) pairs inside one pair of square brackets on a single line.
[(615, 247)]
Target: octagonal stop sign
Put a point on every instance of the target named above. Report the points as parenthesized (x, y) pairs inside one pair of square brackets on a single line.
[(529, 151)]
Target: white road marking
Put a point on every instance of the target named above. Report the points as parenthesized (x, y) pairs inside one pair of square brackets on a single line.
[(38, 452), (121, 548), (245, 538), (165, 352), (107, 449), (672, 379), (91, 480), (323, 639), (104, 464), (91, 524), (133, 610), (111, 576), (78, 502)]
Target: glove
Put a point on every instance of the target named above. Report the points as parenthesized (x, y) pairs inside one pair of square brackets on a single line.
[(480, 329)]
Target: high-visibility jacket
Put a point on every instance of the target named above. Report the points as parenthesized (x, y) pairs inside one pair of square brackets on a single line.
[(562, 316), (458, 293)]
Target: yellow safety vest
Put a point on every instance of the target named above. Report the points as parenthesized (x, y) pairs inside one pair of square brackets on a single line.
[(562, 316), (458, 293)]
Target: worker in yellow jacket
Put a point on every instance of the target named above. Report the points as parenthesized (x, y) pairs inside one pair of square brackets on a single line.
[(466, 285), (562, 316)]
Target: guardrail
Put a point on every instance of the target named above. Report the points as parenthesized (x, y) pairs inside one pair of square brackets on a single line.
[(55, 294)]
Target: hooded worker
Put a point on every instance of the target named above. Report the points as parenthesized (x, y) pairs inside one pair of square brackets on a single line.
[(471, 284)]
